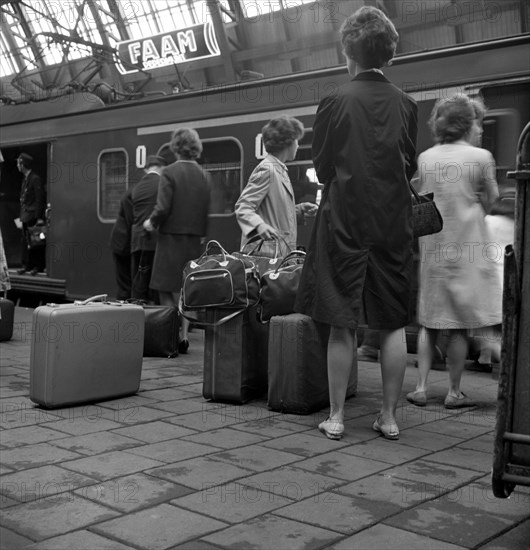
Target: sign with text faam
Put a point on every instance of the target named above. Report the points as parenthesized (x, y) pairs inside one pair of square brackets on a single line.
[(168, 48)]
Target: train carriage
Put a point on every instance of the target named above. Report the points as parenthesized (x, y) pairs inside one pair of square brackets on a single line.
[(89, 153)]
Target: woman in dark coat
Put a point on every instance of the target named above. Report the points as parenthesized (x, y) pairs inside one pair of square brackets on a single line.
[(359, 263), (181, 217)]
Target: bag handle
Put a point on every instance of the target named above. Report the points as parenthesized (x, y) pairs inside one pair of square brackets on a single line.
[(207, 251), (259, 241), (295, 254), (98, 298), (195, 321)]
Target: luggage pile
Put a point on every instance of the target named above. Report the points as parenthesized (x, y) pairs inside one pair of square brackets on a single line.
[(254, 342)]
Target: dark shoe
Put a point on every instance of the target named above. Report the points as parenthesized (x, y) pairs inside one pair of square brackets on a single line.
[(389, 431), (452, 402), (332, 429), (478, 367), (184, 345), (21, 271), (418, 398), (34, 272)]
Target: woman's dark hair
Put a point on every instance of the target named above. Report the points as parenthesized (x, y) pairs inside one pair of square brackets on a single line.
[(452, 118), (186, 143), (369, 38), (281, 132)]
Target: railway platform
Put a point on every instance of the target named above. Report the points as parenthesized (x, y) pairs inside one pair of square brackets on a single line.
[(165, 469)]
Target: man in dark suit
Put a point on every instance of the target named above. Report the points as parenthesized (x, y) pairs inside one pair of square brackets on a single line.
[(32, 209), (143, 243)]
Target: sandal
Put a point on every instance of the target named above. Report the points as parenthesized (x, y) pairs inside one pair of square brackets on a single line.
[(452, 402), (389, 431), (418, 398), (332, 429)]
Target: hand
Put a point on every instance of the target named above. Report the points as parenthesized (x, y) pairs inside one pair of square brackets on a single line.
[(266, 232), (309, 209), (148, 226)]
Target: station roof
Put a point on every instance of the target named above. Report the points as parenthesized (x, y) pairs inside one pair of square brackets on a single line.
[(123, 49)]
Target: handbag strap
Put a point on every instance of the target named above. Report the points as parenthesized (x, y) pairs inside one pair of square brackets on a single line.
[(414, 192), (197, 322)]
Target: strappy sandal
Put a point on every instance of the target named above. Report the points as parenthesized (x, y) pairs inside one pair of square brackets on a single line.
[(332, 429)]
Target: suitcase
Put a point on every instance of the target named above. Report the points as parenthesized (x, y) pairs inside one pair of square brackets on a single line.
[(85, 351), (161, 331), (7, 317), (231, 372), (297, 369)]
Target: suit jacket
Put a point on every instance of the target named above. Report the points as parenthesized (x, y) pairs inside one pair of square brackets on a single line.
[(144, 195), (268, 198), (120, 237), (32, 198), (183, 200)]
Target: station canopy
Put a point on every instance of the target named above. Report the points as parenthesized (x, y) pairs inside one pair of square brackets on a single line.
[(127, 49)]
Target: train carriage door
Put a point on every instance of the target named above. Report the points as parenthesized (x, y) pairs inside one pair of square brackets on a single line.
[(10, 188)]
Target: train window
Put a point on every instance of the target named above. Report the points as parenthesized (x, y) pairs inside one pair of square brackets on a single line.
[(112, 182)]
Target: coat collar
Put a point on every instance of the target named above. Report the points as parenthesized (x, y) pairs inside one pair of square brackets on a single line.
[(371, 76)]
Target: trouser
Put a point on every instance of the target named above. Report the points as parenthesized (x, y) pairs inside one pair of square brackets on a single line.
[(122, 268)]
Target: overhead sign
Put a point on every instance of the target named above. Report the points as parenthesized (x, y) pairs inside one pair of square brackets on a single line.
[(178, 46)]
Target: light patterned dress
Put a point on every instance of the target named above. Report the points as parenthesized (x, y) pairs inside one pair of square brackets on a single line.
[(460, 286)]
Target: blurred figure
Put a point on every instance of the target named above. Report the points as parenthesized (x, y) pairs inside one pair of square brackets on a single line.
[(501, 226), (5, 283), (266, 206), (120, 245), (459, 287), (32, 212), (358, 269), (181, 217), (143, 243)]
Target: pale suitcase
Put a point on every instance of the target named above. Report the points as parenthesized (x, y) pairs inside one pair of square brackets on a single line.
[(85, 351)]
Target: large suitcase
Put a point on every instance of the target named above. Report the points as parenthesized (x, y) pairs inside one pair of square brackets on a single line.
[(7, 317), (85, 351), (297, 369), (231, 372)]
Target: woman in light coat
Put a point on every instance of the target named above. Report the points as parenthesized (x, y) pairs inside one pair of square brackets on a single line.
[(459, 287), (266, 206)]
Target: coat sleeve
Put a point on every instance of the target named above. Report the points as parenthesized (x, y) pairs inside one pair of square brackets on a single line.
[(410, 145), (164, 200), (252, 196), (322, 147)]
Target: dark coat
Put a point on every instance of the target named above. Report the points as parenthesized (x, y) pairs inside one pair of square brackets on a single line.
[(144, 195), (183, 200), (359, 262), (32, 199), (120, 237)]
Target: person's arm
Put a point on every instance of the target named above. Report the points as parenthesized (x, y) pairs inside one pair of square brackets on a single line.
[(490, 189), (164, 202), (410, 145), (252, 196), (322, 147)]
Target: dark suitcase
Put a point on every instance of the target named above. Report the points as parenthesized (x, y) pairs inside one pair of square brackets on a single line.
[(86, 351), (7, 318), (231, 372), (298, 378), (162, 325)]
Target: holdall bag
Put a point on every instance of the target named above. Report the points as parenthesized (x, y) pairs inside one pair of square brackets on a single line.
[(219, 281), (265, 253), (161, 334), (279, 287), (426, 218)]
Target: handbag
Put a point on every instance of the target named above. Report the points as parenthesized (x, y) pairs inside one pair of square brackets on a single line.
[(279, 287), (36, 236), (140, 282), (265, 253), (426, 218), (161, 335), (219, 281)]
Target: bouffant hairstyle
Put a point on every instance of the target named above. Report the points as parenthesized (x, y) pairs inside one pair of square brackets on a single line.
[(281, 132), (369, 38), (452, 118), (186, 143)]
